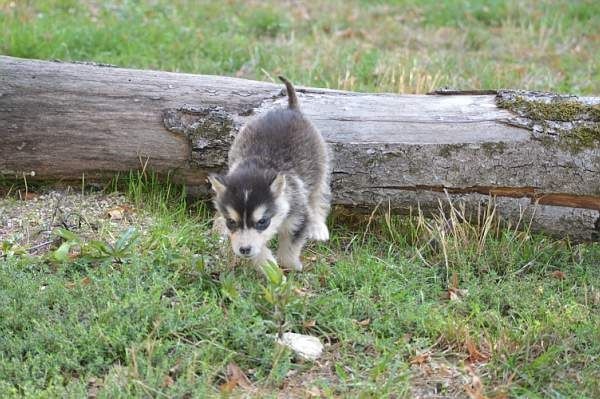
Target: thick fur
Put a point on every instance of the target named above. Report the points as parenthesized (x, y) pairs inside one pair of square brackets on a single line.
[(278, 171)]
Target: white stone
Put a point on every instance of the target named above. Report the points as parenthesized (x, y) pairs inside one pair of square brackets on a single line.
[(305, 346)]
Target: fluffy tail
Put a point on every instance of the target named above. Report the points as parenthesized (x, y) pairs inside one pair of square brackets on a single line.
[(291, 93)]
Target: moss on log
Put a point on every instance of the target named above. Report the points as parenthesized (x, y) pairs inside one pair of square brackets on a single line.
[(569, 121)]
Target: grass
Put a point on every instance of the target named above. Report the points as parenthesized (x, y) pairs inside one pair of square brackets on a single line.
[(393, 46), (162, 311), (167, 316)]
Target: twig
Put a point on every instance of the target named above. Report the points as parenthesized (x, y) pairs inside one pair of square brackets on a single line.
[(149, 389), (454, 92), (31, 250), (26, 187), (370, 221), (524, 268), (56, 209), (422, 258)]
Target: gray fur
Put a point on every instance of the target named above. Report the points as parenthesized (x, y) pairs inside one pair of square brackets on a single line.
[(281, 149)]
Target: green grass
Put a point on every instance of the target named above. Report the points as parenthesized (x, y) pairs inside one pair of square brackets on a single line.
[(394, 46), (172, 308), (167, 313)]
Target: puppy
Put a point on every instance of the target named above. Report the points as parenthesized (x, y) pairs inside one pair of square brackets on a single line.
[(277, 183)]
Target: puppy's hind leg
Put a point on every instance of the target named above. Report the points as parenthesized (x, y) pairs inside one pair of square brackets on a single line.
[(319, 203)]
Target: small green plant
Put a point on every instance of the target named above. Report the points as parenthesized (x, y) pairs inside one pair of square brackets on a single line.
[(9, 249), (95, 249), (121, 249), (279, 293), (70, 240)]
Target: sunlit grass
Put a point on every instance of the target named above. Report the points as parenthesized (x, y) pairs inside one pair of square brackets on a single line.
[(383, 46)]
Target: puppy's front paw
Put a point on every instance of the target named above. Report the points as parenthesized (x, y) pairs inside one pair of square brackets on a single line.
[(318, 231), (289, 263), (219, 229)]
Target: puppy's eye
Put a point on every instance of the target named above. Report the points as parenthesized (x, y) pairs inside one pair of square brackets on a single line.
[(263, 223), (231, 224)]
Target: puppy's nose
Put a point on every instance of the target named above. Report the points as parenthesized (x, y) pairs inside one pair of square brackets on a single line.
[(245, 250)]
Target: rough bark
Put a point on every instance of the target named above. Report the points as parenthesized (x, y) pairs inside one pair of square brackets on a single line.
[(538, 154)]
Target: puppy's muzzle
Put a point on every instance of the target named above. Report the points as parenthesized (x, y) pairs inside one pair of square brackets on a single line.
[(245, 251)]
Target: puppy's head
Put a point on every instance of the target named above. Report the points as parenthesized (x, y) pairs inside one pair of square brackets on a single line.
[(254, 205)]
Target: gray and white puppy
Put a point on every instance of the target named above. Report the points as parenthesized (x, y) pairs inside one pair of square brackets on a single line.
[(277, 183)]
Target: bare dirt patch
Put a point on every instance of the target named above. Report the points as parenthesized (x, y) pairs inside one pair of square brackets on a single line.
[(29, 222)]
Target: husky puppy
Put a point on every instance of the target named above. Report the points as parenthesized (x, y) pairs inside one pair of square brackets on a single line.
[(277, 183)]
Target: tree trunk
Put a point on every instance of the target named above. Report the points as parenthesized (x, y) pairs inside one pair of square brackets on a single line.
[(538, 154)]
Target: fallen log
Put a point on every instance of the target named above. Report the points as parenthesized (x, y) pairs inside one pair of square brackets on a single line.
[(538, 154)]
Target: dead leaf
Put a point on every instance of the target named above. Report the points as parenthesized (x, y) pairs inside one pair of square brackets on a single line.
[(455, 294), (475, 355), (421, 358), (309, 323), (176, 369), (451, 295), (559, 275), (168, 382), (350, 33), (116, 213), (235, 377), (128, 208), (228, 386), (30, 196), (322, 281), (84, 281), (301, 292), (364, 322), (475, 389), (237, 373), (74, 253)]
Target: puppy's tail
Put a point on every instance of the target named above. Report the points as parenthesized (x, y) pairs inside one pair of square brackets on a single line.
[(291, 93)]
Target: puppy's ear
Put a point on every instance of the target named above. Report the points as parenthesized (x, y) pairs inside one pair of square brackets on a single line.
[(218, 183), (278, 185)]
